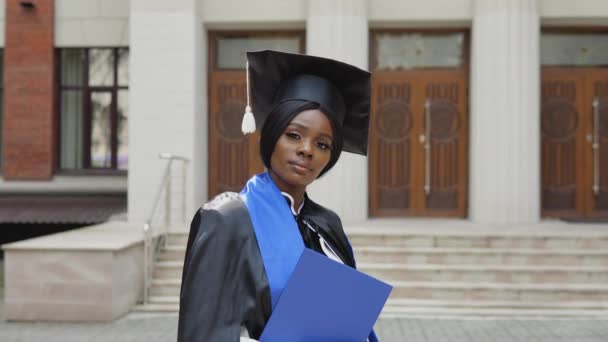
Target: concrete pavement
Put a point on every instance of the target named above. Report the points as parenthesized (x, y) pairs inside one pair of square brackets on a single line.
[(146, 327)]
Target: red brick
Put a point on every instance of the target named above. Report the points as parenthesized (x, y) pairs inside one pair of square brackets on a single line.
[(29, 142)]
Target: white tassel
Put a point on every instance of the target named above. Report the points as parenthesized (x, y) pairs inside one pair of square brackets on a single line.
[(248, 124)]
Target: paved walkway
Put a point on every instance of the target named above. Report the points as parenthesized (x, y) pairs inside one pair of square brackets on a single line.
[(139, 327)]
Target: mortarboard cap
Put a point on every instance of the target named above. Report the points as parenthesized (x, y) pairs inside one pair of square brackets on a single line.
[(274, 77)]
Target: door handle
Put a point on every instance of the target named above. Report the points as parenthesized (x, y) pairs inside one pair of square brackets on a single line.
[(595, 145), (427, 146)]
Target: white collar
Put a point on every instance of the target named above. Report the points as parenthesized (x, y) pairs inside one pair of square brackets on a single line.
[(291, 202)]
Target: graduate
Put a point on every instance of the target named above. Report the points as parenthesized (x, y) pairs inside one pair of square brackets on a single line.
[(243, 247)]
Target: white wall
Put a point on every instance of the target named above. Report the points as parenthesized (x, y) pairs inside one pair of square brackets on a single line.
[(397, 13), (166, 97), (338, 29), (91, 23), (2, 21), (573, 9), (105, 22), (260, 14), (505, 113)]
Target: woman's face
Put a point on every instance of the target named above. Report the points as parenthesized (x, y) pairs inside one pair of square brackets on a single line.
[(302, 151)]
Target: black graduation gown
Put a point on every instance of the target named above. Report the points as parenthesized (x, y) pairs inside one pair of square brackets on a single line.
[(224, 283)]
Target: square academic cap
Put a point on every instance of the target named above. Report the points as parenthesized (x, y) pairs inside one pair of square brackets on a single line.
[(274, 77)]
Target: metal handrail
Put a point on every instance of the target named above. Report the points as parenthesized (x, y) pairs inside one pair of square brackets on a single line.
[(154, 238)]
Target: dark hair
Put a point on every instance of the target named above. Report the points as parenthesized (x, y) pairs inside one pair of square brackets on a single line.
[(280, 117)]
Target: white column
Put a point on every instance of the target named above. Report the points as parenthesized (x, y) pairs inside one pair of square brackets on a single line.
[(338, 29), (505, 114), (167, 100)]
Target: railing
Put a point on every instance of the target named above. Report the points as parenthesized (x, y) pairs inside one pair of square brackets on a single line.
[(165, 212)]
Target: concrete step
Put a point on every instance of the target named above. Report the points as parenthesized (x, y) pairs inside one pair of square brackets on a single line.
[(168, 269), (156, 308), (164, 300), (481, 256), (476, 291), (177, 239), (544, 240), (404, 308), (473, 291), (165, 287), (172, 253), (401, 307), (576, 305), (484, 313), (476, 239), (486, 273)]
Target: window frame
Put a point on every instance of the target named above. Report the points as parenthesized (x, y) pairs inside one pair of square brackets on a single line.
[(86, 91), (565, 29), (375, 32)]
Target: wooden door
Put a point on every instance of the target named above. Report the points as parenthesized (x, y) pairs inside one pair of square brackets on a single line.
[(418, 143), (234, 157), (393, 145), (596, 149), (445, 168), (574, 122)]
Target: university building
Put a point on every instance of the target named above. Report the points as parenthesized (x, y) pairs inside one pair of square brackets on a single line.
[(491, 112)]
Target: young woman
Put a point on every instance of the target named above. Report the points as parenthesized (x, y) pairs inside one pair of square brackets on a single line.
[(243, 247)]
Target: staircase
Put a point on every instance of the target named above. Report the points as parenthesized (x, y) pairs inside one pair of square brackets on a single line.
[(167, 276), (474, 273), (457, 273)]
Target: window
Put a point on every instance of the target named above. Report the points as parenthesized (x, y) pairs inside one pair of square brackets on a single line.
[(232, 51), (94, 109), (419, 50), (574, 49)]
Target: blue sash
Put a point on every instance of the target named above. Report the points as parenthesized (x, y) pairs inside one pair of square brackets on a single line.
[(277, 232)]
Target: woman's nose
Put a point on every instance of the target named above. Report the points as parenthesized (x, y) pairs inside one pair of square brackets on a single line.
[(305, 148)]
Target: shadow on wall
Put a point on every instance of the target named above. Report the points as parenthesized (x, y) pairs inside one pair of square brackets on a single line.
[(11, 232)]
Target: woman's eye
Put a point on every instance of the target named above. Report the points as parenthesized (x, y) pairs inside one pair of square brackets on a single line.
[(323, 146), (293, 135)]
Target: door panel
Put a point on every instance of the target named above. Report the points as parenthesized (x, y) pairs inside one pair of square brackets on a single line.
[(574, 117), (229, 148), (445, 171), (562, 143), (415, 169), (597, 144), (392, 135)]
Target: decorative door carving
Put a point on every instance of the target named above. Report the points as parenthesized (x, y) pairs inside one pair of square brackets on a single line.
[(391, 151), (574, 150), (418, 143), (230, 162)]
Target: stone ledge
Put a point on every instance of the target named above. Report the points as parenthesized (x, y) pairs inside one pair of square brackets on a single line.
[(420, 227), (90, 274), (102, 237)]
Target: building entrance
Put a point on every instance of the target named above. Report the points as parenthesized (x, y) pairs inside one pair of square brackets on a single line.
[(574, 125), (234, 157), (419, 124)]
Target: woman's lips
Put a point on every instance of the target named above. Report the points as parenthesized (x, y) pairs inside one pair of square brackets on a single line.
[(299, 167)]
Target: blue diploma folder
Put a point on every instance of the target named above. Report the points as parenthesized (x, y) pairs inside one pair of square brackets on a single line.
[(326, 301)]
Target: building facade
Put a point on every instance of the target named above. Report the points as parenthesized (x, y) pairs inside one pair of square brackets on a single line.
[(494, 111)]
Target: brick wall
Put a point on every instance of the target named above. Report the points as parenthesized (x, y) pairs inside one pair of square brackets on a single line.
[(29, 126)]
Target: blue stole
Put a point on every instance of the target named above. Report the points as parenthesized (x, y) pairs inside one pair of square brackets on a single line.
[(275, 229)]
